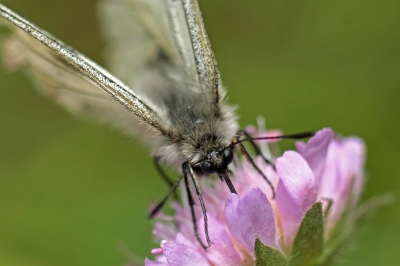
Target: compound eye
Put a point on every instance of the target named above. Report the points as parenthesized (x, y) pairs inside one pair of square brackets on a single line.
[(207, 168), (228, 156)]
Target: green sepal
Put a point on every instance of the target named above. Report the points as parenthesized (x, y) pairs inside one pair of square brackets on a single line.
[(308, 244), (267, 256)]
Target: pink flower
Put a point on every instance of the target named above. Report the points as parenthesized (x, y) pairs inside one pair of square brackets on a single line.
[(315, 187)]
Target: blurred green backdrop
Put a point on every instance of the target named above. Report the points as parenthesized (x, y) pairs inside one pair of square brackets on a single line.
[(71, 192)]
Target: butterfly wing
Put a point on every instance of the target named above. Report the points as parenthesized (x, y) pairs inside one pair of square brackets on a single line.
[(165, 40), (139, 32), (206, 65), (160, 49), (73, 80)]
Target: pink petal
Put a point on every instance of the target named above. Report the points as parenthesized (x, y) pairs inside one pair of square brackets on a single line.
[(148, 262), (184, 219), (181, 239), (355, 148), (221, 250), (252, 130), (163, 231), (232, 219), (181, 255), (343, 175), (256, 219), (295, 194), (314, 152)]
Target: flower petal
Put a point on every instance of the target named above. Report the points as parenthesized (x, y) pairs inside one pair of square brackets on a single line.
[(182, 255), (162, 231), (148, 262), (232, 219), (343, 176), (256, 219), (314, 152), (355, 148), (181, 239), (221, 250), (295, 194)]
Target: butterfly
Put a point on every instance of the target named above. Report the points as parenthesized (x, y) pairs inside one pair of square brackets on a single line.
[(168, 90)]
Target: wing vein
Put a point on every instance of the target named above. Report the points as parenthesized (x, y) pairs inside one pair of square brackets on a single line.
[(98, 75), (204, 56), (61, 85)]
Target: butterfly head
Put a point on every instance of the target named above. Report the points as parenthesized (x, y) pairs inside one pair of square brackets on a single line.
[(216, 161)]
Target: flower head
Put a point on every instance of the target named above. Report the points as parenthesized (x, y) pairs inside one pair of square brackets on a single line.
[(317, 186)]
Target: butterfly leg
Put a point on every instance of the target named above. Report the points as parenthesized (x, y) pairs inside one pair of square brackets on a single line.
[(171, 191), (257, 150), (251, 161), (164, 176), (187, 170)]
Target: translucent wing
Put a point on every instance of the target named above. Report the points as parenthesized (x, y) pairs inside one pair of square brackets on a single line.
[(137, 35), (139, 32), (74, 81), (159, 48), (206, 64)]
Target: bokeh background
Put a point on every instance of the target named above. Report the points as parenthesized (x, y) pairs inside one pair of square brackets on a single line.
[(77, 193)]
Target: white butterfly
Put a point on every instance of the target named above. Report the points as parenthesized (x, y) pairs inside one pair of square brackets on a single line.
[(171, 93)]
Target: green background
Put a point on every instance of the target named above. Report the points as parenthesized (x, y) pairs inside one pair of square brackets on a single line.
[(71, 192)]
